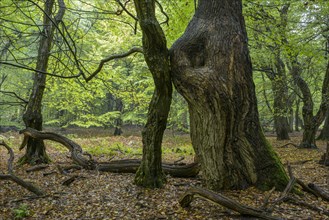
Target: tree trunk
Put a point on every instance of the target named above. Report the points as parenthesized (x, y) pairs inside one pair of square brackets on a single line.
[(211, 68), (156, 55), (297, 119), (280, 93), (35, 151), (118, 121), (311, 121), (324, 135)]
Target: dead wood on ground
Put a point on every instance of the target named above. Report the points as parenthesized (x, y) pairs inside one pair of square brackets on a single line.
[(37, 168), (86, 161), (217, 198), (11, 176)]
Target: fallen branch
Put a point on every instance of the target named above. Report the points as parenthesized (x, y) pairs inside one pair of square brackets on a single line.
[(37, 168), (70, 180), (117, 166), (286, 145), (11, 176), (217, 198), (320, 192), (306, 205), (131, 166)]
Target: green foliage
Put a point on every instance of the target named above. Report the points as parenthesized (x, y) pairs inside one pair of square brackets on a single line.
[(21, 212)]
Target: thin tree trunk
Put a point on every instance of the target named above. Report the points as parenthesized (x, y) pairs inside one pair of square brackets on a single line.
[(118, 121), (211, 68), (156, 55), (32, 117), (297, 119)]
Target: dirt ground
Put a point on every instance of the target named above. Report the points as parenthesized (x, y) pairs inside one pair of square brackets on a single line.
[(99, 195)]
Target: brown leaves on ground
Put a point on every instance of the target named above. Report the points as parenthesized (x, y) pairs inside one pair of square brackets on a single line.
[(100, 195)]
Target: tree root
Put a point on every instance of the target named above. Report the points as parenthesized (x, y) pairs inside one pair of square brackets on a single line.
[(11, 176)]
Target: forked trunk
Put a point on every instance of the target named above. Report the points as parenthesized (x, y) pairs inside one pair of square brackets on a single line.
[(311, 121), (211, 68)]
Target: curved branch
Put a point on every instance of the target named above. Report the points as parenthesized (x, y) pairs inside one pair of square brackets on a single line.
[(123, 6), (112, 57), (17, 96), (163, 12)]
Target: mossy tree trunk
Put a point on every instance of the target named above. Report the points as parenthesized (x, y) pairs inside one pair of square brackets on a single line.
[(156, 55), (32, 117), (211, 68), (280, 103)]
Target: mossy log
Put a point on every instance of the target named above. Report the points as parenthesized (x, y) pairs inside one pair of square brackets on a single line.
[(86, 161)]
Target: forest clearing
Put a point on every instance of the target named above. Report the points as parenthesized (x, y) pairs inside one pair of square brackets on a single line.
[(105, 195)]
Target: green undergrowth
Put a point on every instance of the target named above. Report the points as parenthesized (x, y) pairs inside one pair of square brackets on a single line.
[(172, 147)]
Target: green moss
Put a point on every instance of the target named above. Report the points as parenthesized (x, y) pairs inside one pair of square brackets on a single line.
[(26, 159), (274, 176), (145, 179)]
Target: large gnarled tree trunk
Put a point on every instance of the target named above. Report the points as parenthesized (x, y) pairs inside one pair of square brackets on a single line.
[(35, 151), (157, 58), (211, 68)]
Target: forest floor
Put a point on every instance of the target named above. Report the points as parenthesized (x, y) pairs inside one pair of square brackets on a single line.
[(101, 195)]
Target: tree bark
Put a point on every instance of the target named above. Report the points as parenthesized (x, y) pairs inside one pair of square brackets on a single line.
[(311, 121), (211, 68), (32, 117), (324, 135), (157, 58), (280, 93), (118, 121)]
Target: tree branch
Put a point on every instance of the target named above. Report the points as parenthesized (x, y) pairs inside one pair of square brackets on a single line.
[(112, 57), (11, 176)]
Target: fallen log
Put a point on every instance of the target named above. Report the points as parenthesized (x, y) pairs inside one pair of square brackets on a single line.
[(11, 176), (131, 166), (86, 161), (217, 198), (320, 192)]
